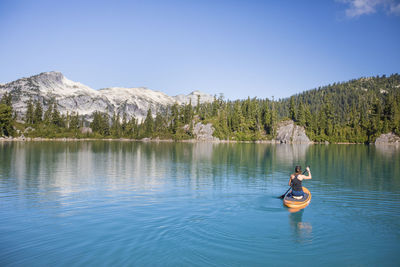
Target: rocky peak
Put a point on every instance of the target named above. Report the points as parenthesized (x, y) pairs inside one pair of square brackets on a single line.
[(49, 76)]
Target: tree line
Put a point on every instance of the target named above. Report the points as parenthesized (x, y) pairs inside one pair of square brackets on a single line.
[(356, 111)]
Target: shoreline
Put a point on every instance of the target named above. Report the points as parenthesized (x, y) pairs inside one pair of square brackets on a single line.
[(157, 140)]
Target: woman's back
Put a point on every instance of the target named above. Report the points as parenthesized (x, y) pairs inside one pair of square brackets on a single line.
[(297, 183)]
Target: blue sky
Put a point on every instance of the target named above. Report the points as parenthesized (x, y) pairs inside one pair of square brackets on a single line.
[(238, 48)]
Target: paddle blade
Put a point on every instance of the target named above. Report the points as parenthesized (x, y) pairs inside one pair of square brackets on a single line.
[(285, 193)]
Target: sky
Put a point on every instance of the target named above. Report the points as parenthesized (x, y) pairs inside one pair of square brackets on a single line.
[(238, 48)]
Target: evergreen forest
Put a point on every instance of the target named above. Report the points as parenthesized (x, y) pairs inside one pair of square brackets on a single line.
[(357, 111)]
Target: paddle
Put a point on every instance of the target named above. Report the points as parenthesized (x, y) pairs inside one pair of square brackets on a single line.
[(291, 187)]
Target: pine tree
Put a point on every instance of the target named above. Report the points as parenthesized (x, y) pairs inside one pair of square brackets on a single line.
[(292, 112), (105, 124), (116, 125), (301, 116), (198, 105), (38, 113), (6, 115), (159, 124), (29, 116), (266, 118), (56, 117), (274, 119), (188, 113), (96, 122), (149, 124), (133, 127), (48, 115), (124, 125), (101, 123), (174, 124), (74, 121)]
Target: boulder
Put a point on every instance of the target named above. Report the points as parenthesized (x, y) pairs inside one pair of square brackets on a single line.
[(204, 132), (388, 139), (289, 133)]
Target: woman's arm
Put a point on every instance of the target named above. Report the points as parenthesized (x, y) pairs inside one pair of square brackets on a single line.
[(290, 180), (309, 174)]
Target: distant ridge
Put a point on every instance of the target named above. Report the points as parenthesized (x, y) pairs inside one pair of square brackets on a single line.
[(73, 96)]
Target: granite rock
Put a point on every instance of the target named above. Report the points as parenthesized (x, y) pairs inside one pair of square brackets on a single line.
[(204, 132), (289, 133), (388, 139)]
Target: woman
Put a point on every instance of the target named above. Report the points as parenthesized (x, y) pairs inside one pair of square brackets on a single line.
[(295, 182)]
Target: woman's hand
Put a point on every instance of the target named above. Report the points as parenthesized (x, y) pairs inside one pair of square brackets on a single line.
[(308, 169)]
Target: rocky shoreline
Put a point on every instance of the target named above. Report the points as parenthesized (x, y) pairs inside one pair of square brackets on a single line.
[(157, 140), (65, 139), (288, 133)]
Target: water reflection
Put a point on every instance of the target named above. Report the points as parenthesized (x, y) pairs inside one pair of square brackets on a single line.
[(70, 167), (387, 150), (302, 231), (291, 154), (354, 166), (60, 164)]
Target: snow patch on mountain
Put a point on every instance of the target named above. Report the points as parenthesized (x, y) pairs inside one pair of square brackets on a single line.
[(72, 96)]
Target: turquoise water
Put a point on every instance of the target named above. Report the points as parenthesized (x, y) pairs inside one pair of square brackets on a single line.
[(181, 204)]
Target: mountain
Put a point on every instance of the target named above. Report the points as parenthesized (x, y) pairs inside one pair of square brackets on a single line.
[(76, 97), (193, 97)]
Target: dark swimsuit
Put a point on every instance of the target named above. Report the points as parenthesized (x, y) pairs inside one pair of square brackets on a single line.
[(297, 188)]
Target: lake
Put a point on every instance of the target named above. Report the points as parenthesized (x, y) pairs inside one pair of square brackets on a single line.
[(104, 203)]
